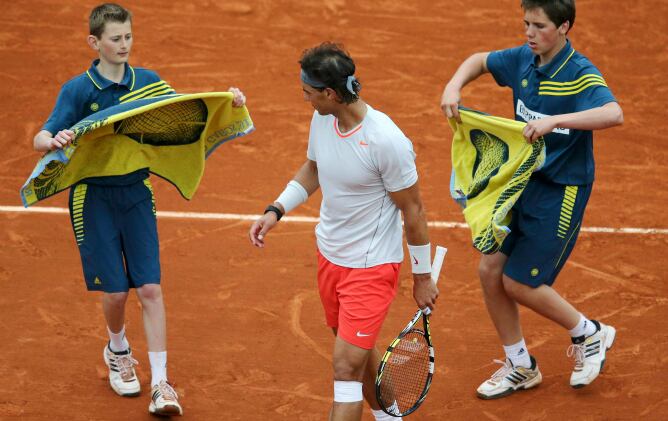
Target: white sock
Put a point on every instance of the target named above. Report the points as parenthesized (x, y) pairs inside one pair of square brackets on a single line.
[(585, 327), (382, 416), (158, 366), (518, 354), (117, 341)]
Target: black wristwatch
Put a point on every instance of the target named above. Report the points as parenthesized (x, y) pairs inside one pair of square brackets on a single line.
[(277, 211)]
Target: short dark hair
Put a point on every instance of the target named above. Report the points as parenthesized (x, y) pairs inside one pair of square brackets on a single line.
[(107, 12), (331, 64), (559, 11)]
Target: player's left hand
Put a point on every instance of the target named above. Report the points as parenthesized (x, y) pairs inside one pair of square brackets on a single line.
[(261, 227), (537, 128), (239, 99), (425, 291)]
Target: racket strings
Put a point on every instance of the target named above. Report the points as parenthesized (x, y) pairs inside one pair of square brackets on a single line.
[(180, 123), (406, 373)]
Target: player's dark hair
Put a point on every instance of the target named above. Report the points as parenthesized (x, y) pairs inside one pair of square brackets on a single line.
[(331, 64), (107, 12), (559, 11)]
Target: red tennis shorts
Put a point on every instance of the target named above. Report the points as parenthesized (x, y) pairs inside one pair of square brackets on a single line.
[(356, 301)]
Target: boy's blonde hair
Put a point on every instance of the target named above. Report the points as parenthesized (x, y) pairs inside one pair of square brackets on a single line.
[(107, 12)]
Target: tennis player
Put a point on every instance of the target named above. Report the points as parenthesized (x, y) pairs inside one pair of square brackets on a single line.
[(365, 167), (114, 217), (563, 97)]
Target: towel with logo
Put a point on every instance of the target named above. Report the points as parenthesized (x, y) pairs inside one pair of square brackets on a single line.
[(492, 164), (171, 135)]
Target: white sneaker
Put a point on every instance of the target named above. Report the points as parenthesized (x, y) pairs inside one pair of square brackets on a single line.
[(509, 379), (589, 354), (164, 400), (122, 376)]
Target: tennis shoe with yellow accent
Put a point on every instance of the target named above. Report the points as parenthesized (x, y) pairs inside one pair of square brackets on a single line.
[(589, 354), (122, 376), (509, 379), (164, 400)]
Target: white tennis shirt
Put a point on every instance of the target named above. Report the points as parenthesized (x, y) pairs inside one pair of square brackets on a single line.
[(360, 226)]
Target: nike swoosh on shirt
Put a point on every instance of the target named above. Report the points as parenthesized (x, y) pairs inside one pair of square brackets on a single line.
[(363, 143), (360, 334)]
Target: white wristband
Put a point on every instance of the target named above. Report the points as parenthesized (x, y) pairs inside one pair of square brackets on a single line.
[(293, 195), (420, 258)]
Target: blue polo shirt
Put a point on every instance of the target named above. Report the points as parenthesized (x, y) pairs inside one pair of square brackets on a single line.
[(90, 92), (567, 84)]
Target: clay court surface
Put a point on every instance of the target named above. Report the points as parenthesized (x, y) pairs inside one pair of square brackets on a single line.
[(247, 339)]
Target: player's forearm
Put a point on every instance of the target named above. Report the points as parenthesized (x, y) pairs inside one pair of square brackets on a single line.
[(415, 224), (472, 68), (608, 115), (417, 237), (410, 204)]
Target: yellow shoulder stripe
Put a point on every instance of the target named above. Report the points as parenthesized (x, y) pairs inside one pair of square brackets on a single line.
[(574, 87), (159, 90), (571, 92), (151, 95), (152, 85), (574, 82)]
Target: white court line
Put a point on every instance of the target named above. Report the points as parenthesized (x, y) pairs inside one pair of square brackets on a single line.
[(312, 220)]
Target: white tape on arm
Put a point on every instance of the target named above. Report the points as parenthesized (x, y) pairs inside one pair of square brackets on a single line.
[(294, 195), (420, 258)]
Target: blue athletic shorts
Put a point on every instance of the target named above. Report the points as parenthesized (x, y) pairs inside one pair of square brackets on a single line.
[(116, 231), (545, 224)]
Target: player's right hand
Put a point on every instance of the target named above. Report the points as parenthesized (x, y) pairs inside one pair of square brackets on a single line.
[(62, 139), (260, 228), (450, 102), (425, 291)]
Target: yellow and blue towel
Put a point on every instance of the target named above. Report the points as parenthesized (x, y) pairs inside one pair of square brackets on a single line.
[(171, 135), (491, 166)]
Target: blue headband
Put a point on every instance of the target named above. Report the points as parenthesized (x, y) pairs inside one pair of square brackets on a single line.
[(318, 84)]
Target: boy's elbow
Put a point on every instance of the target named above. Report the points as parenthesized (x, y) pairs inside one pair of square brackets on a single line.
[(38, 142), (620, 117), (617, 116)]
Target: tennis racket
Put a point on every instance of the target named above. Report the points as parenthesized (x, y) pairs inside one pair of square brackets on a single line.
[(405, 372)]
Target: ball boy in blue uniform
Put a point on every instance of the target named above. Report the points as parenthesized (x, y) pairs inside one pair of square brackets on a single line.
[(563, 97), (113, 217)]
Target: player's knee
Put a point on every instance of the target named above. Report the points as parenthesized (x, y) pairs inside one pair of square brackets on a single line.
[(345, 370), (116, 299), (490, 277), (488, 269), (149, 293)]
